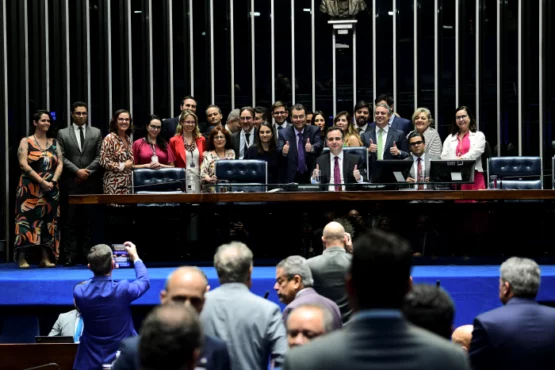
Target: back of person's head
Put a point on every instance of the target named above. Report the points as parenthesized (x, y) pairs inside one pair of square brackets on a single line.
[(233, 263), (334, 235), (431, 308), (523, 275), (100, 259), (380, 271), (296, 266), (171, 338)]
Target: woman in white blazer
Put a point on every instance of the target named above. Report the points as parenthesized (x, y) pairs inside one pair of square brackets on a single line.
[(466, 142)]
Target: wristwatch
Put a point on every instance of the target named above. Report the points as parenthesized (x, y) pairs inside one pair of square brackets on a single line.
[(54, 182)]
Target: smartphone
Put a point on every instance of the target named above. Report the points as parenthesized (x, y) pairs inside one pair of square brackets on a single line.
[(121, 257)]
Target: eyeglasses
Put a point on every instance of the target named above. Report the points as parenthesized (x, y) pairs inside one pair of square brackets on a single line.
[(124, 119), (460, 118), (155, 127), (189, 122), (246, 118), (280, 113), (415, 143)]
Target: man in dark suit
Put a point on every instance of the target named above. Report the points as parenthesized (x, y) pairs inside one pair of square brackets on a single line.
[(420, 172), (518, 335), (362, 117), (170, 124), (243, 139), (337, 167), (185, 286), (80, 145), (395, 121), (280, 114), (378, 336), (214, 117), (301, 144), (294, 288), (104, 305), (329, 269)]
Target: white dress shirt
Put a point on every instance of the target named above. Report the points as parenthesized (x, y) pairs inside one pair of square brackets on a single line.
[(332, 169), (415, 169), (242, 142), (78, 135), (362, 128)]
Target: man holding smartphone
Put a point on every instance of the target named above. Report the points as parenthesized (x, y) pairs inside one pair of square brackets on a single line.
[(105, 307)]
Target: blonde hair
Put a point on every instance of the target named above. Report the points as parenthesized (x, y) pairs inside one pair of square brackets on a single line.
[(184, 114), (350, 126), (425, 111)]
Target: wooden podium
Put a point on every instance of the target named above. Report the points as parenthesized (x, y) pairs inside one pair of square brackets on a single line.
[(20, 356)]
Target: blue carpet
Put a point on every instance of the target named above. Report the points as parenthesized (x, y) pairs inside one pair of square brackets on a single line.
[(474, 289)]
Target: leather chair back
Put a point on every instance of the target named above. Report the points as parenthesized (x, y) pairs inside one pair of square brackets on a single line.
[(246, 175), (516, 172), (148, 181)]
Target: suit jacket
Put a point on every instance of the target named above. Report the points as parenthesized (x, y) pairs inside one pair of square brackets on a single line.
[(393, 136), (309, 296), (328, 271), (289, 134), (377, 343), (518, 335), (398, 123), (251, 326), (178, 148), (169, 125), (65, 325), (427, 159), (349, 162), (214, 355), (75, 159), (236, 141), (104, 305)]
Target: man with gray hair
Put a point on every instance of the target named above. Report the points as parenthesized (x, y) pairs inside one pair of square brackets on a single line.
[(251, 326), (307, 322), (294, 288), (520, 334), (233, 122)]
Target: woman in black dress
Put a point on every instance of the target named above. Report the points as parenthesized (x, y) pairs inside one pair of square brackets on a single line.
[(266, 150)]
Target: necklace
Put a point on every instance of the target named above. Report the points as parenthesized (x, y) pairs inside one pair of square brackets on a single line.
[(191, 148), (218, 154), (43, 151)]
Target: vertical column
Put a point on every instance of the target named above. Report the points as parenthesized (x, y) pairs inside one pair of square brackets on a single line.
[(150, 60), (374, 85), (394, 21), (109, 55), (540, 73), (5, 133), (191, 48), (415, 51), (478, 69), (334, 77), (26, 52), (212, 88), (519, 77), (170, 56), (354, 66), (457, 54), (253, 70), (129, 58), (436, 64), (293, 52), (67, 64), (498, 53), (88, 58), (232, 53), (313, 55), (273, 47), (46, 54)]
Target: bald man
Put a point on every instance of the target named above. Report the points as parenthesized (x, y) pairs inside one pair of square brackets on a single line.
[(462, 336), (185, 286), (307, 322), (329, 269)]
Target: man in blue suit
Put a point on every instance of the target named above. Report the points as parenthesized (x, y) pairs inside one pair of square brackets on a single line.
[(186, 286), (104, 306), (301, 144), (520, 334), (394, 121)]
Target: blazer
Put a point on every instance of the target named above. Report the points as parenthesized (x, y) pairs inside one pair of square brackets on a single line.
[(398, 123), (75, 159), (393, 136), (427, 159), (328, 272), (251, 326), (289, 134), (477, 147), (349, 162), (377, 343), (309, 296), (214, 355), (177, 145), (236, 141), (518, 335), (169, 125), (104, 305), (65, 325)]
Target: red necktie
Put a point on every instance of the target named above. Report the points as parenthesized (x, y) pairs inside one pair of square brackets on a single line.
[(337, 175), (419, 174)]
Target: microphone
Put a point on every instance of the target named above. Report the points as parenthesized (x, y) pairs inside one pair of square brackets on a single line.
[(438, 284), (43, 366), (266, 294)]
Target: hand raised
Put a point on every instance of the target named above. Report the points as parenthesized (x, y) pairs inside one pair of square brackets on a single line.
[(372, 148), (308, 146), (285, 149), (394, 150), (356, 173)]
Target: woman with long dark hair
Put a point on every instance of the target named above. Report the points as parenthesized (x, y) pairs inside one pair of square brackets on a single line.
[(266, 150), (153, 151)]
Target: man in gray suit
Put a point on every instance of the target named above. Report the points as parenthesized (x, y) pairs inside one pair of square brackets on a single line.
[(67, 324), (80, 145), (329, 269), (251, 326), (378, 335), (294, 288)]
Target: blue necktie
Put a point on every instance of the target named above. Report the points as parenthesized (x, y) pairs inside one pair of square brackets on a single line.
[(301, 168), (78, 330)]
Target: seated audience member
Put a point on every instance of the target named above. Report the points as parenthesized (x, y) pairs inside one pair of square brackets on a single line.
[(306, 322), (341, 170), (359, 226), (104, 305), (214, 117), (462, 336), (384, 141), (294, 288), (185, 286), (218, 147), (430, 308), (518, 335), (329, 269), (378, 336), (265, 150), (420, 172), (259, 116), (251, 325), (69, 324), (423, 122), (171, 339), (153, 151), (344, 121), (233, 121)]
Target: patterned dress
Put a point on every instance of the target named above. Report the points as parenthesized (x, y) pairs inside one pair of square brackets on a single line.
[(112, 153), (208, 167), (37, 211)]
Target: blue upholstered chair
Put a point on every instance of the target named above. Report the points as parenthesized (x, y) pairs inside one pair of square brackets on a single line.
[(241, 175), (520, 173), (161, 181)]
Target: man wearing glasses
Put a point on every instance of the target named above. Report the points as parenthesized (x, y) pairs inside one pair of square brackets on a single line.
[(420, 171), (280, 114), (246, 137), (80, 145)]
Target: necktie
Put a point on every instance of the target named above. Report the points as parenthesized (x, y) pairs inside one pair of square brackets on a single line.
[(247, 137), (359, 130), (279, 127), (81, 137), (301, 167), (419, 174), (78, 330), (337, 175), (380, 142)]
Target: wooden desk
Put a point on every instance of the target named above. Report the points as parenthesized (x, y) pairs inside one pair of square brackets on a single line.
[(345, 196), (19, 356)]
